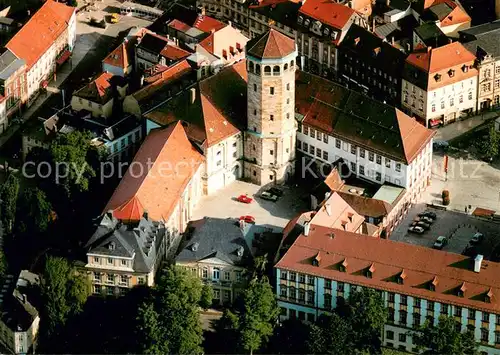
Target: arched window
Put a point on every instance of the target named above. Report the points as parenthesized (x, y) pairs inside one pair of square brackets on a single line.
[(292, 65), (257, 69), (285, 68), (276, 70), (267, 70), (250, 67)]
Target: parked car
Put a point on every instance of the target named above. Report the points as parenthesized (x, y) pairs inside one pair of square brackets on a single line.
[(244, 199), (428, 214), (440, 242), (425, 226), (248, 219), (266, 195), (427, 220), (416, 229), (101, 23), (476, 238), (275, 191), (440, 144)]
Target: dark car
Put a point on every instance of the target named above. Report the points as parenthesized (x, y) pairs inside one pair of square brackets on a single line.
[(428, 214), (275, 191), (424, 225), (476, 239), (440, 242)]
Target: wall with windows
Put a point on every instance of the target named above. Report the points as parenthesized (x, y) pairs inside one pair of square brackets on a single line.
[(97, 109), (122, 146), (307, 296)]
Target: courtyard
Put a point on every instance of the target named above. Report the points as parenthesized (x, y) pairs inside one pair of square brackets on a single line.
[(458, 227), (275, 215)]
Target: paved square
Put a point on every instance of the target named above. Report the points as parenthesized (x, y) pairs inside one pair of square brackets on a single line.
[(274, 215), (456, 226)]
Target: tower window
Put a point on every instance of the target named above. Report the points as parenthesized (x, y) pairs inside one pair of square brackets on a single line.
[(271, 177), (255, 129), (271, 90), (292, 65), (276, 70), (271, 117), (257, 69), (288, 86), (267, 70), (254, 87), (271, 152), (288, 101), (287, 116), (253, 147), (254, 173), (285, 68), (255, 112), (250, 66)]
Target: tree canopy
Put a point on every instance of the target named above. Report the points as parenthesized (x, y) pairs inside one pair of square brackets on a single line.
[(168, 322), (444, 338), (8, 203), (64, 292), (36, 209)]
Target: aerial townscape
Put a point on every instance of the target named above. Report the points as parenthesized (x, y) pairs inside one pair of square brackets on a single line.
[(250, 176)]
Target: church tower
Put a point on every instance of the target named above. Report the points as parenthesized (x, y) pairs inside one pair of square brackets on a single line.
[(269, 145)]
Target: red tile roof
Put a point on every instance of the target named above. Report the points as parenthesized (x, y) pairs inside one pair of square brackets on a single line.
[(456, 16), (119, 57), (208, 43), (366, 206), (207, 24), (99, 90), (271, 44), (435, 59), (162, 168), (328, 12), (420, 264), (41, 31), (178, 25), (174, 53)]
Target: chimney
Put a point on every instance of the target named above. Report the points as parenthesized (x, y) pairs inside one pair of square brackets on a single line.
[(373, 24), (388, 3), (302, 62), (477, 263), (142, 80), (327, 195), (306, 228), (193, 95), (230, 23), (242, 224), (328, 209)]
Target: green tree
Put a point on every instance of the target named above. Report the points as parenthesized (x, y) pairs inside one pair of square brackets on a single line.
[(490, 145), (35, 207), (176, 299), (288, 338), (72, 3), (3, 264), (444, 338), (64, 292), (255, 317), (331, 334), (8, 197), (207, 296), (150, 331)]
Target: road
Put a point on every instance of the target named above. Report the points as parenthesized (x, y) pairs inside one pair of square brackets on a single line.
[(458, 128), (87, 39)]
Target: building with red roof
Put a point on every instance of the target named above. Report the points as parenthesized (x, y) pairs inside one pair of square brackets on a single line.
[(324, 266), (119, 61), (48, 34)]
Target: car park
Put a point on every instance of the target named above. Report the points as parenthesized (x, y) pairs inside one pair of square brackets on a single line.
[(266, 195), (244, 199), (425, 226), (476, 239), (440, 242), (416, 229)]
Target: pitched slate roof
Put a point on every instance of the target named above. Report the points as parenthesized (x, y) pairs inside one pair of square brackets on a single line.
[(212, 109), (41, 31), (217, 238), (270, 45), (487, 42), (421, 265), (162, 168), (153, 43), (140, 241), (99, 90), (9, 64), (365, 122), (119, 57)]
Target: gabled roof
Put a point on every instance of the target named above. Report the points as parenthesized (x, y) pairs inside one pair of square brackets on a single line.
[(421, 265), (9, 64), (207, 24), (335, 212), (366, 206), (328, 12), (211, 109), (174, 53), (99, 90), (270, 45), (223, 239), (365, 122), (172, 161), (152, 42), (119, 57), (41, 31)]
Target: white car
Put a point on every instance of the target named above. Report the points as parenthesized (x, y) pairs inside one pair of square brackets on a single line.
[(269, 196), (416, 229)]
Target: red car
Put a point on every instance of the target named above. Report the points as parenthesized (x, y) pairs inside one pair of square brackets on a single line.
[(248, 219), (244, 199)]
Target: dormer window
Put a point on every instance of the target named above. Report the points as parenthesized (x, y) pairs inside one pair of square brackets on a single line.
[(356, 41), (343, 266), (326, 31), (307, 22), (451, 73), (437, 77), (333, 35), (376, 51), (433, 283), (465, 68), (300, 19), (317, 259), (370, 271), (401, 277), (461, 290), (488, 296)]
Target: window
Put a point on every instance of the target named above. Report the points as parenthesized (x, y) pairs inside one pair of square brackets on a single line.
[(442, 104), (318, 152), (325, 138), (283, 275), (402, 337), (123, 280), (271, 90), (361, 170), (486, 317), (391, 297), (472, 314), (302, 295), (110, 261), (97, 277), (311, 149), (390, 317), (389, 335), (452, 101), (96, 260), (398, 167), (111, 278), (310, 297), (283, 292), (458, 311), (378, 176), (470, 95), (293, 276), (305, 130), (327, 301), (461, 99), (402, 317), (238, 276), (312, 133), (433, 107), (310, 280), (325, 155), (288, 86), (204, 273), (371, 156), (271, 152), (416, 319), (302, 278), (497, 337), (404, 300), (484, 334), (305, 148), (293, 293), (337, 143), (361, 153), (328, 284), (227, 276), (353, 149), (318, 136), (340, 286), (387, 163), (124, 262), (444, 308), (430, 306), (379, 160)]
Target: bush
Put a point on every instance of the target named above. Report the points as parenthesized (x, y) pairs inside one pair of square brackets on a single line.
[(445, 194), (446, 200)]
